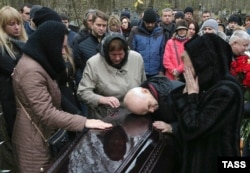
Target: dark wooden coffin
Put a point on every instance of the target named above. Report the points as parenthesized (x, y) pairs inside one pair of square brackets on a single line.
[(131, 146)]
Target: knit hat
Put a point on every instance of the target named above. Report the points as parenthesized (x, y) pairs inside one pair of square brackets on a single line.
[(45, 14), (126, 14), (149, 16), (234, 18), (188, 9), (33, 9), (179, 14), (181, 24), (210, 23)]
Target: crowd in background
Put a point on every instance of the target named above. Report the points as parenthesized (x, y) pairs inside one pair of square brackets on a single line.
[(100, 62)]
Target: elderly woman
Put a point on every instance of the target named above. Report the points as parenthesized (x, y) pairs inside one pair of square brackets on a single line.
[(109, 74), (39, 98)]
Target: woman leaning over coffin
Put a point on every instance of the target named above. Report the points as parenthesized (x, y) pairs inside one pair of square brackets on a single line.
[(37, 91)]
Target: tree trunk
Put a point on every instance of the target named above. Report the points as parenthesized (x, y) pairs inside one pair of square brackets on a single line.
[(151, 3)]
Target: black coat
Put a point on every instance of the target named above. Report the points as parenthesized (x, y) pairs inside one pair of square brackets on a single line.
[(82, 51), (210, 126), (209, 122), (168, 30), (7, 98), (66, 83), (161, 88)]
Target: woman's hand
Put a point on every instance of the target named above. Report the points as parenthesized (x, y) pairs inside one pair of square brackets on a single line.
[(191, 81), (97, 124), (111, 101), (162, 126)]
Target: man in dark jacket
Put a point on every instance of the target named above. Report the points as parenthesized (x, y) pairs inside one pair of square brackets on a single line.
[(167, 23), (85, 49), (148, 39), (154, 97)]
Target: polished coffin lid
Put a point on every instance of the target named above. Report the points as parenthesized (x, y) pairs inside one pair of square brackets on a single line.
[(132, 145)]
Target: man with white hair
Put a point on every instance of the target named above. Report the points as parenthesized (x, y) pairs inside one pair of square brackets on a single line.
[(239, 42)]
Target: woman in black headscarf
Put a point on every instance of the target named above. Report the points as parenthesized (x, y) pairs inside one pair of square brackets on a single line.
[(210, 109), (38, 96)]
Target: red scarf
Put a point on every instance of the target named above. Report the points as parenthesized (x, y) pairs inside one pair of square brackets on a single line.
[(153, 90)]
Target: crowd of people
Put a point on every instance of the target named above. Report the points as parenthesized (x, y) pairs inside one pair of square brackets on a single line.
[(169, 65)]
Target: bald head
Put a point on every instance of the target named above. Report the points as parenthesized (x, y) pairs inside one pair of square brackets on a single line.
[(140, 101)]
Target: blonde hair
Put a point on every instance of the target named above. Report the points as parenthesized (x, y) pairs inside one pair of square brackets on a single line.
[(239, 35), (114, 20), (68, 57), (7, 14)]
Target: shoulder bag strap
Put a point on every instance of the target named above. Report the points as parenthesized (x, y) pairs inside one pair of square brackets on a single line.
[(176, 52), (32, 122)]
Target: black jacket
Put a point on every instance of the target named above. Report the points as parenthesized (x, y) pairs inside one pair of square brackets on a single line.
[(7, 98), (82, 52), (163, 87), (168, 30)]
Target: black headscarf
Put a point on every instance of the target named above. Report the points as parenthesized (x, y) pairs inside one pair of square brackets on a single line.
[(44, 14), (211, 57), (45, 46), (105, 48)]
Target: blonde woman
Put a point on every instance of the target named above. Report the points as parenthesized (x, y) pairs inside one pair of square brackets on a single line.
[(114, 24), (12, 39), (67, 85)]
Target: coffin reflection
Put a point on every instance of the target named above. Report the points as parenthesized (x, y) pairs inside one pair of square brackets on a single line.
[(131, 146)]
